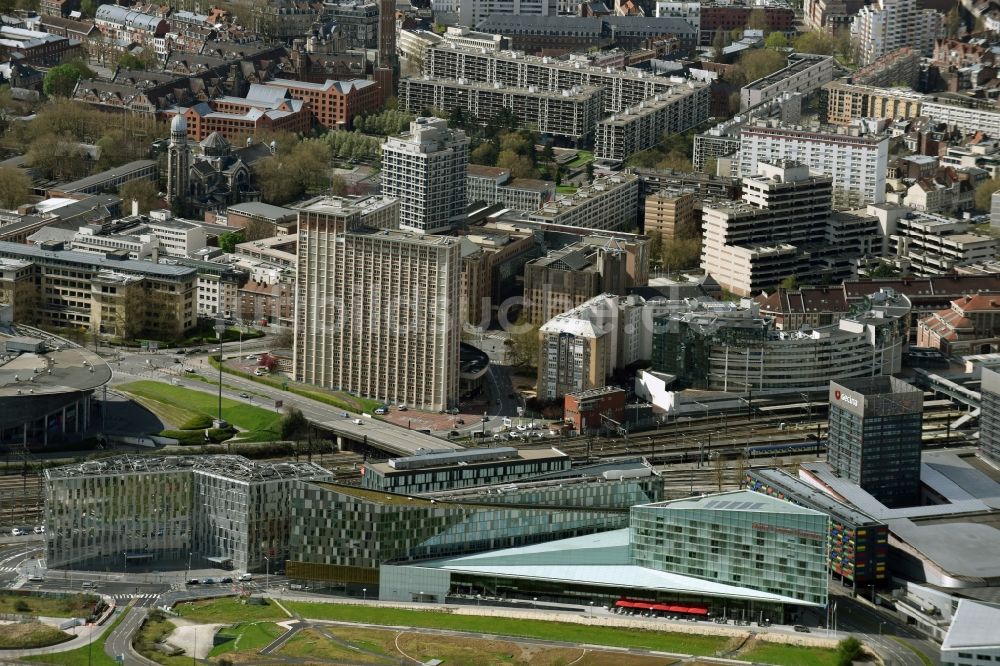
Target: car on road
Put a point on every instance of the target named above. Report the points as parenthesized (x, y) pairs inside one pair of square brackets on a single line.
[(357, 421), (39, 529), (802, 628), (178, 360), (16, 532), (196, 350), (208, 581), (189, 370), (35, 578), (194, 581), (401, 408), (226, 579), (454, 433), (522, 427), (250, 357), (216, 350), (89, 585), (244, 395), (245, 577), (459, 421)]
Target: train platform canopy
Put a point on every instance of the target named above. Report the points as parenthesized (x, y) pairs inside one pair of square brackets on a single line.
[(594, 560)]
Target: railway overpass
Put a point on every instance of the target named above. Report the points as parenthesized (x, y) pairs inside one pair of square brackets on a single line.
[(377, 438)]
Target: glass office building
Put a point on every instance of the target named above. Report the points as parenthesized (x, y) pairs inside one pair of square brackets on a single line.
[(875, 437), (343, 534), (989, 418), (740, 538), (171, 511)]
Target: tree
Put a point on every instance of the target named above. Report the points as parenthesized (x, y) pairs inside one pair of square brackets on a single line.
[(848, 650), (485, 153), (338, 186), (57, 158), (520, 165), (676, 161), (144, 191), (268, 361), (776, 40), (682, 254), (789, 283), (719, 42), (60, 81), (524, 343), (130, 61), (656, 249), (757, 20), (984, 193), (229, 239), (285, 339), (294, 426), (816, 41), (758, 63), (883, 270), (953, 22), (15, 187)]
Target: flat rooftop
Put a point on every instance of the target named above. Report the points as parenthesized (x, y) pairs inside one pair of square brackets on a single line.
[(811, 496), (737, 500), (61, 369), (441, 460), (386, 436), (973, 627), (236, 468)]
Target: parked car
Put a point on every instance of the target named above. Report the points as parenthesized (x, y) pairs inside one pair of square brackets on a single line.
[(381, 410), (16, 532), (802, 628), (226, 579), (402, 408), (39, 529), (207, 581)]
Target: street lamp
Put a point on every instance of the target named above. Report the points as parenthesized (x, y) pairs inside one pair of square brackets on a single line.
[(267, 573), (880, 625), (534, 602), (220, 328), (591, 609), (364, 593)]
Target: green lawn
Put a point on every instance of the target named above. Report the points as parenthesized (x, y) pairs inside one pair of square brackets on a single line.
[(228, 609), (566, 189), (789, 655), (259, 422), (339, 399), (557, 631), (88, 655), (26, 635), (76, 605), (582, 157), (246, 636)]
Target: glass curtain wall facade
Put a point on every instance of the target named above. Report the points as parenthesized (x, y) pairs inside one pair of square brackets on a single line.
[(222, 510), (740, 538)]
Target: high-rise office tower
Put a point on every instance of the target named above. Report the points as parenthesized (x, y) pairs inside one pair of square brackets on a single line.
[(989, 418), (386, 72), (377, 309), (425, 169), (875, 437)]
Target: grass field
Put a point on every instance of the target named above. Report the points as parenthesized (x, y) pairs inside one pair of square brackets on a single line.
[(566, 189), (582, 157), (246, 636), (310, 644), (557, 631), (25, 635), (339, 399), (77, 605), (178, 405), (789, 655), (228, 609), (88, 655)]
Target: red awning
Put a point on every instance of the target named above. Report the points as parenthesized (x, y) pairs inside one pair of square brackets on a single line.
[(662, 607), (698, 610)]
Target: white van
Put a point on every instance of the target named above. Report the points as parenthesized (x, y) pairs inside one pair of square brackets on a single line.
[(357, 421), (245, 578), (16, 532)]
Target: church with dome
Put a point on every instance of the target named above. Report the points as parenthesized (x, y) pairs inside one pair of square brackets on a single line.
[(209, 175)]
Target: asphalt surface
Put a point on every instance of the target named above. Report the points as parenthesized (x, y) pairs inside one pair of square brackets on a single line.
[(882, 630)]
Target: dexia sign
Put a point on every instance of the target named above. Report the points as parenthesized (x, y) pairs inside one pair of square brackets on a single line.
[(843, 397)]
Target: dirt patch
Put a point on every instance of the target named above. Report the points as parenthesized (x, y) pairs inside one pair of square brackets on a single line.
[(24, 635)]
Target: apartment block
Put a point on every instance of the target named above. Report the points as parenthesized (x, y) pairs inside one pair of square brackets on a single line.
[(117, 297), (580, 348), (831, 15), (493, 185), (783, 226), (968, 115), (844, 104), (989, 419), (622, 89), (670, 214), (804, 73), (608, 203), (333, 104), (894, 68), (122, 25), (643, 126), (474, 12), (887, 25), (570, 113), (566, 278), (491, 260), (425, 169), (728, 16), (377, 309), (924, 244), (856, 162)]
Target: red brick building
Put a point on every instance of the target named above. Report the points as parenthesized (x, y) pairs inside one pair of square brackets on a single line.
[(730, 17), (970, 326), (273, 303), (264, 109), (586, 408), (333, 104)]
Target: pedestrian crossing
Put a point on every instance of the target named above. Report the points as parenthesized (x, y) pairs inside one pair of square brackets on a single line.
[(126, 597), (8, 569)]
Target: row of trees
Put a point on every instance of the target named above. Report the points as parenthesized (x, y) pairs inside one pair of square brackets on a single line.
[(388, 122)]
